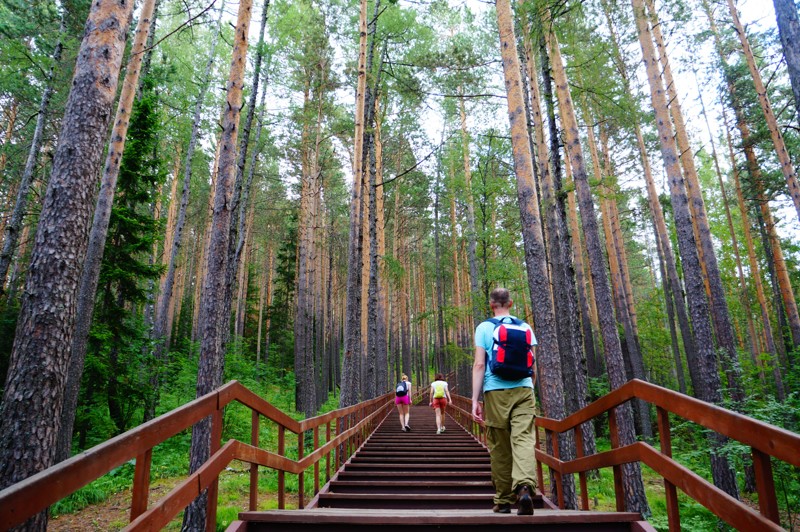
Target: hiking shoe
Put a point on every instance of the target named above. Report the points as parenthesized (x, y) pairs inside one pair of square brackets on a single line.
[(502, 508), (524, 501), (442, 428), (407, 429), (438, 431)]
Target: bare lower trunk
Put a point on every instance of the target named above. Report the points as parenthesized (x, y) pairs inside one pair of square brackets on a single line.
[(789, 29), (34, 390)]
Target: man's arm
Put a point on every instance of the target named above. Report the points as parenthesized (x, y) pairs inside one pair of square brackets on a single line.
[(478, 372)]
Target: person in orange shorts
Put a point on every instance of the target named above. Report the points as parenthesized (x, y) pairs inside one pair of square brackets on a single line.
[(439, 397)]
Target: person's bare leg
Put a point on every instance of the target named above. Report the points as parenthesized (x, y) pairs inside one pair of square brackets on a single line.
[(400, 411), (407, 414), (438, 419)]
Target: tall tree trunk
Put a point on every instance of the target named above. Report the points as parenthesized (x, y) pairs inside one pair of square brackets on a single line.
[(472, 239), (788, 169), (439, 288), (755, 273), (789, 30), (160, 325), (562, 273), (381, 355), (707, 384), (14, 224), (214, 317), (34, 389), (351, 365), (632, 478), (262, 301), (97, 237), (550, 383), (720, 315)]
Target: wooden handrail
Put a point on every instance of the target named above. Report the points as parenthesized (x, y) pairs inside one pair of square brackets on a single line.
[(766, 441), (34, 494)]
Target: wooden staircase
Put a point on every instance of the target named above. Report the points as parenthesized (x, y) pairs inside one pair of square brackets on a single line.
[(422, 480)]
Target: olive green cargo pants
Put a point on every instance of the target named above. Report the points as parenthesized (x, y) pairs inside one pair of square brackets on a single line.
[(509, 419)]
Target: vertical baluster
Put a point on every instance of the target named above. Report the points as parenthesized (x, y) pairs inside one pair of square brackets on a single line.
[(254, 467), (338, 451), (613, 432), (673, 511), (316, 464), (765, 485), (141, 484), (539, 470), (328, 456), (281, 474), (581, 474), (301, 485), (557, 474), (216, 443)]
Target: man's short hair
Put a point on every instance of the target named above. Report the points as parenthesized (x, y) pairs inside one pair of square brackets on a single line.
[(500, 296)]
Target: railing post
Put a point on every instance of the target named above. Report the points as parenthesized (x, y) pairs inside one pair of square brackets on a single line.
[(141, 484), (216, 443), (613, 431), (582, 474), (281, 474), (328, 457), (557, 474), (301, 485), (673, 512), (765, 485), (337, 452), (539, 470), (254, 467), (316, 464)]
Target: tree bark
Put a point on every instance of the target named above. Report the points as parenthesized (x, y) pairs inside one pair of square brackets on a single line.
[(550, 382), (632, 479), (351, 364), (472, 240), (706, 363), (214, 318), (99, 232), (34, 389)]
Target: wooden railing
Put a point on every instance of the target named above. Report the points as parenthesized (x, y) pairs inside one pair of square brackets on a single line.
[(766, 442), (345, 430)]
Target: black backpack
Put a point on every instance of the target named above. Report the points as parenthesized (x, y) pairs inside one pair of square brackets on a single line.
[(402, 389), (511, 357)]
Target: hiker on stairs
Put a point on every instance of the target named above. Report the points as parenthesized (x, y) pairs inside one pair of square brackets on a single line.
[(403, 401), (504, 369), (439, 397)]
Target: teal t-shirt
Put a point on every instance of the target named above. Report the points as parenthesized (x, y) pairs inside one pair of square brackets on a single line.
[(484, 334)]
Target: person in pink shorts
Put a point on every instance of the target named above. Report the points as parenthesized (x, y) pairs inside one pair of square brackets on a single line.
[(403, 401)]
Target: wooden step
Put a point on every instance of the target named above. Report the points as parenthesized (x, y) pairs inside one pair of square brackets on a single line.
[(365, 466), (415, 476), (335, 520), (437, 501), (413, 485)]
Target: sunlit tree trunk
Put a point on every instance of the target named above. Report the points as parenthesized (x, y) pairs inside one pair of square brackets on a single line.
[(214, 317), (472, 239), (708, 386), (788, 169), (35, 385), (550, 380), (351, 364)]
